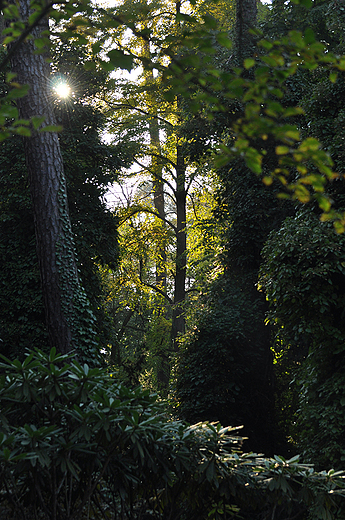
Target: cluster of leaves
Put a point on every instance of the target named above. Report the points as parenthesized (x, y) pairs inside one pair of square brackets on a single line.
[(263, 85), (74, 442), (226, 355), (140, 322)]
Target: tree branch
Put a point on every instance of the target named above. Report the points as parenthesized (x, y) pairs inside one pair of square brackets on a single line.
[(142, 111), (147, 168), (162, 293), (136, 210)]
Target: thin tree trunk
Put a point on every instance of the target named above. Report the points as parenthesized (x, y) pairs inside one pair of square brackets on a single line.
[(2, 24), (158, 197), (178, 316), (163, 371), (156, 165), (54, 242)]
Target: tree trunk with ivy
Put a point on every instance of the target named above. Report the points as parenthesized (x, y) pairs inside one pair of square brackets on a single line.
[(64, 300)]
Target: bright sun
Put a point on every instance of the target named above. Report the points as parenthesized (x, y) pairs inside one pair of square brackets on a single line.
[(63, 90)]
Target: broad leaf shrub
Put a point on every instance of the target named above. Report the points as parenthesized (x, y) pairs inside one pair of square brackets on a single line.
[(76, 444)]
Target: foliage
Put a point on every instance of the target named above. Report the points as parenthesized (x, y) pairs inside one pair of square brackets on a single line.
[(325, 115), (196, 78), (303, 271), (226, 354), (74, 442), (140, 320), (303, 277), (205, 235), (304, 267), (21, 309)]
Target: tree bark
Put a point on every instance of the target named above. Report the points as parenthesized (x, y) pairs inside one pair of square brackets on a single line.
[(246, 12), (54, 241)]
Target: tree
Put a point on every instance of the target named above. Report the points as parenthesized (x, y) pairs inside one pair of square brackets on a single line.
[(65, 303), (166, 168), (263, 131), (155, 129), (89, 166), (246, 17), (227, 355)]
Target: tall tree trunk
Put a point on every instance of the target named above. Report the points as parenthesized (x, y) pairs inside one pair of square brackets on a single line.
[(261, 434), (2, 24), (178, 316), (54, 240), (156, 162), (163, 371), (158, 195)]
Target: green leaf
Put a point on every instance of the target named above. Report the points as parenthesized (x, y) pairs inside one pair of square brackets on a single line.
[(305, 3), (89, 65), (18, 92), (324, 203), (8, 111), (292, 134), (282, 150), (224, 40), (333, 77), (96, 47), (10, 76), (120, 59), (301, 193), (51, 128), (37, 121), (309, 35), (253, 160), (249, 63), (22, 130)]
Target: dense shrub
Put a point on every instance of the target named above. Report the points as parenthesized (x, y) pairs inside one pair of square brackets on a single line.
[(76, 444)]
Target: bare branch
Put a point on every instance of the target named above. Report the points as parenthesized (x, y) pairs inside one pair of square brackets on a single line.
[(147, 168)]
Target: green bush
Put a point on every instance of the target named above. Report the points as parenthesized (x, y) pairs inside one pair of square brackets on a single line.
[(75, 444)]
